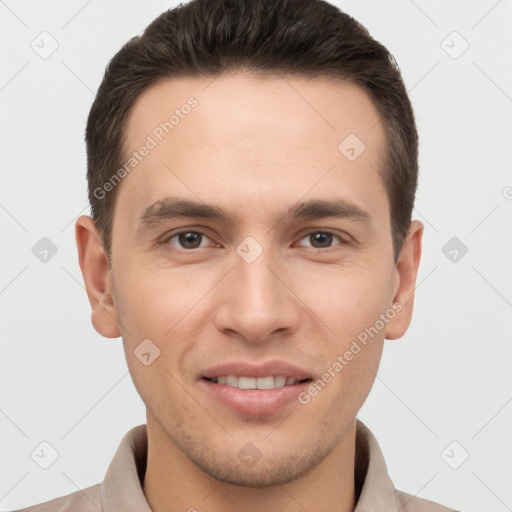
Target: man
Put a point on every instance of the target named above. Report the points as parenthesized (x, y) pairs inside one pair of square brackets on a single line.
[(252, 168)]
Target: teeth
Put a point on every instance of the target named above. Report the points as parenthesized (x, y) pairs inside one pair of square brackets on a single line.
[(265, 382), (247, 383), (243, 382), (232, 381), (279, 381)]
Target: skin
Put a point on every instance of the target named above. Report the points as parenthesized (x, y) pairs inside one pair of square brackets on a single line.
[(253, 146)]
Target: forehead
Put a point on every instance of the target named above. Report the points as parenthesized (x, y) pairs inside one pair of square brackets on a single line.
[(241, 136), (327, 107)]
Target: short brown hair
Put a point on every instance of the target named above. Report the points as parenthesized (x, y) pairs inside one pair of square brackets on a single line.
[(309, 38)]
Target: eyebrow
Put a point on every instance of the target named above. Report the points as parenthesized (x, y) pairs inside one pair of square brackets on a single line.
[(172, 207)]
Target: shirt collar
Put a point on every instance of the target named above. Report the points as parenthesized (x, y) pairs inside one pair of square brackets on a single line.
[(121, 488), (373, 485)]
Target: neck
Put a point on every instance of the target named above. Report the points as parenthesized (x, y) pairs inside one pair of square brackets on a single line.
[(174, 483)]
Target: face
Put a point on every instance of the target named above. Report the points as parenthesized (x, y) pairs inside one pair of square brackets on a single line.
[(251, 250)]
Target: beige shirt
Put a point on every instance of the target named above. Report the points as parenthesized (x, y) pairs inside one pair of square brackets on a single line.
[(121, 490)]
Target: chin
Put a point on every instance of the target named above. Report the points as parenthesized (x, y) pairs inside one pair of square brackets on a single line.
[(250, 467)]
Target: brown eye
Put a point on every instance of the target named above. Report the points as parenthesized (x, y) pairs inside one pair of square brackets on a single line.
[(321, 240), (188, 239)]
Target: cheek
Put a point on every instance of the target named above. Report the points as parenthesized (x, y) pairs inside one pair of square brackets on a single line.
[(347, 299), (151, 303), (166, 307)]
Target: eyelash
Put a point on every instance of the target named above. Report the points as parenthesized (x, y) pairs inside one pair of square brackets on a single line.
[(165, 241)]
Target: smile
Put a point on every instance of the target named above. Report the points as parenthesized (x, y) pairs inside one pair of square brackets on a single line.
[(256, 389)]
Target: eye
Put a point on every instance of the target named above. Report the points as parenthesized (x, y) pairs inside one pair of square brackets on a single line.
[(322, 240), (188, 239)]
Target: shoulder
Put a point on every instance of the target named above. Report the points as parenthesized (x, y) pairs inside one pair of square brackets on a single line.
[(85, 500), (409, 503)]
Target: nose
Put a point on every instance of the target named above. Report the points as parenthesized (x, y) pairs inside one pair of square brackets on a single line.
[(256, 301)]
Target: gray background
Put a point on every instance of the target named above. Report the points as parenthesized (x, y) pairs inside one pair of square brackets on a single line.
[(447, 380)]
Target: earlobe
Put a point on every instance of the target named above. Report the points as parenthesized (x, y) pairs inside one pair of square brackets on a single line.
[(406, 271), (97, 277)]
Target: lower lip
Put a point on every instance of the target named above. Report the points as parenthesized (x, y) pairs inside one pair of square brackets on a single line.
[(255, 401)]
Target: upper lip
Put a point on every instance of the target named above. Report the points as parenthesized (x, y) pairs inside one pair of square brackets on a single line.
[(246, 369)]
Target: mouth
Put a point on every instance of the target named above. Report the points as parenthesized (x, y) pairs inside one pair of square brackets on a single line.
[(255, 389)]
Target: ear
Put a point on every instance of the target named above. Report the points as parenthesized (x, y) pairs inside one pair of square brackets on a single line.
[(97, 277), (406, 271)]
